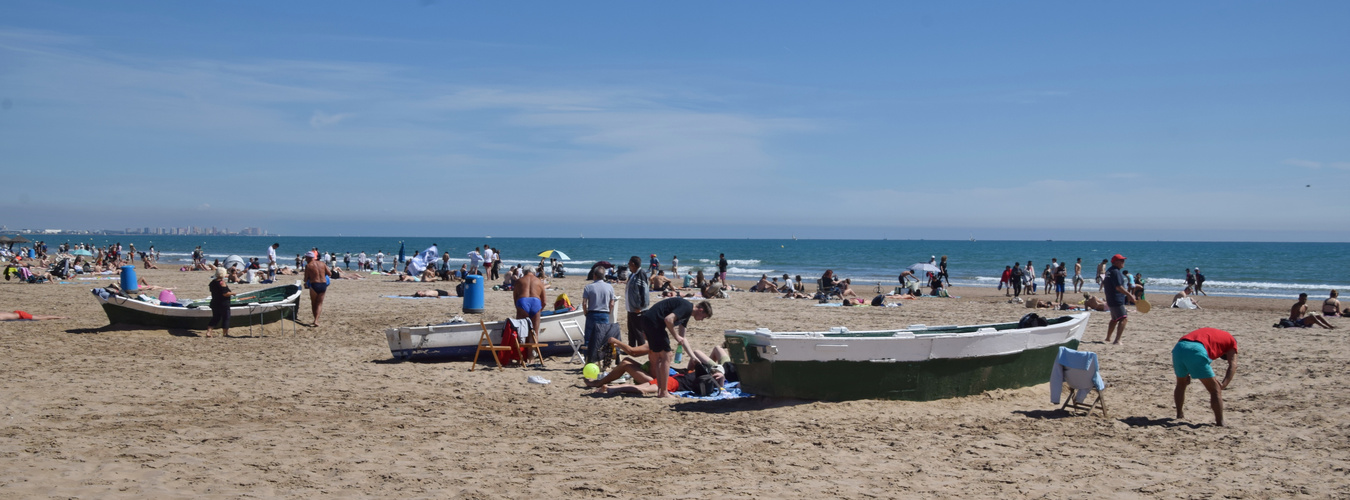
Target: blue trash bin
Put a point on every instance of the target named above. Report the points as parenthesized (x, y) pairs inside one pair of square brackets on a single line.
[(129, 284), (473, 294)]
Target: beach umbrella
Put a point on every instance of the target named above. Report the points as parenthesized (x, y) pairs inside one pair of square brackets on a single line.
[(17, 239), (924, 267), (554, 253), (81, 251)]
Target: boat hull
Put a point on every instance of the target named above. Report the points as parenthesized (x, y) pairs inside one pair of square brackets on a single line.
[(920, 367), (458, 342), (121, 310)]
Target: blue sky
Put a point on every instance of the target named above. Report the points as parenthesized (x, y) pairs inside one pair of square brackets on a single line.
[(1060, 120)]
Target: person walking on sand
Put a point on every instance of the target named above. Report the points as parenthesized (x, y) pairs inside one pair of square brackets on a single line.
[(675, 265), (942, 271), (659, 327), (1015, 279), (722, 267), (1200, 283), (1101, 274), (636, 299), (1191, 358), (272, 260), (316, 280), (1117, 294), (1059, 275), (1003, 283), (1078, 276)]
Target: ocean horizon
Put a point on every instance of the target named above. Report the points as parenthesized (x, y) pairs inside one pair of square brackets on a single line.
[(1248, 269)]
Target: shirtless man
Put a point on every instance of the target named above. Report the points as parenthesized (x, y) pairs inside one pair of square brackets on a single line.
[(1101, 273), (431, 293), (1299, 314), (1332, 306), (316, 280), (1093, 303), (528, 295), (1078, 276), (1185, 294)]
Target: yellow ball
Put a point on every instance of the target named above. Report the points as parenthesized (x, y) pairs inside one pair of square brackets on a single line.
[(590, 371)]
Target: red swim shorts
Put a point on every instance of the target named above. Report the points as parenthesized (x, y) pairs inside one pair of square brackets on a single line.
[(23, 315), (672, 385)]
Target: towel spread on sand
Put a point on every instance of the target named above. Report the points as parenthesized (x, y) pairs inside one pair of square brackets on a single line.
[(403, 297), (730, 391)]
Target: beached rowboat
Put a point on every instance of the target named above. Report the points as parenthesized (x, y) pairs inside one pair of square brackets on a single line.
[(919, 363), (460, 340), (258, 307)]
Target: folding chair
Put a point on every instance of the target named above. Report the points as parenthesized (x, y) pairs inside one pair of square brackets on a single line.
[(485, 344), (532, 343), (1079, 370), (577, 341)]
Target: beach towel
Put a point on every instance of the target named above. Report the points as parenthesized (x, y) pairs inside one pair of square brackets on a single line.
[(732, 390), (1077, 360), (1185, 303)]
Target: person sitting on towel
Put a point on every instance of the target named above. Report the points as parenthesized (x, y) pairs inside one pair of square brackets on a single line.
[(1332, 306)]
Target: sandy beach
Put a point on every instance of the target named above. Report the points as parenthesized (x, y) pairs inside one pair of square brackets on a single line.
[(93, 411)]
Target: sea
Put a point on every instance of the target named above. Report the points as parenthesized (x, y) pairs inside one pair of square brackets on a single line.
[(1273, 270)]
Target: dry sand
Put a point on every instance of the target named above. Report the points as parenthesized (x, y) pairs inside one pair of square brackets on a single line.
[(90, 411)]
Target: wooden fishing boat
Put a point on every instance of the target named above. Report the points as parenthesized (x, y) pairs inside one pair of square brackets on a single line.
[(258, 307), (459, 341), (918, 363)]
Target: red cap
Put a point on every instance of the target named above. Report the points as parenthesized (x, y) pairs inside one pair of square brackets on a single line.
[(653, 255), (1118, 257)]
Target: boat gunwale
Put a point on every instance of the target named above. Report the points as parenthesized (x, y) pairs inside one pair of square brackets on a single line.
[(944, 331)]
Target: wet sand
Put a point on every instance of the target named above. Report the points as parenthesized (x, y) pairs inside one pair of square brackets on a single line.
[(92, 411)]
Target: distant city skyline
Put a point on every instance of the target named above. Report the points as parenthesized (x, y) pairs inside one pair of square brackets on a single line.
[(1210, 121)]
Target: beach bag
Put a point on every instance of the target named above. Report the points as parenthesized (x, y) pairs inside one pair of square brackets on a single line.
[(167, 297), (511, 338), (706, 385), (1031, 320), (1285, 323)]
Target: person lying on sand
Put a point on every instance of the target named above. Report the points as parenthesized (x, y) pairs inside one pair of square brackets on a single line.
[(20, 315), (431, 293), (1299, 314), (1093, 303), (680, 380)]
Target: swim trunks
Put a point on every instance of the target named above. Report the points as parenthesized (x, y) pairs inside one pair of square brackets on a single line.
[(442, 293), (23, 315), (672, 383), (531, 305), (319, 287), (1189, 359), (1118, 312)]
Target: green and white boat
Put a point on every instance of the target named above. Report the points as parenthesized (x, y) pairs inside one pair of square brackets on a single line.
[(918, 363), (257, 307)]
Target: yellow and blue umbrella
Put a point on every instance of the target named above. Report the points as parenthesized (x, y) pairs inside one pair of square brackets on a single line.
[(547, 254)]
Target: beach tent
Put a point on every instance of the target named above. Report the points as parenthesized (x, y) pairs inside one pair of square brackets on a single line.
[(235, 261)]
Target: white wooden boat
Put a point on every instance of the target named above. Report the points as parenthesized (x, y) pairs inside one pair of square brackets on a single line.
[(258, 307), (460, 340), (915, 363)]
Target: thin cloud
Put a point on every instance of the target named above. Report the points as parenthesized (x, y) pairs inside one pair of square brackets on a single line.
[(321, 119), (1303, 163)]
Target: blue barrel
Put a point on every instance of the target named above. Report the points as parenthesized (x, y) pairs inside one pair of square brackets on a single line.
[(473, 294), (129, 284)]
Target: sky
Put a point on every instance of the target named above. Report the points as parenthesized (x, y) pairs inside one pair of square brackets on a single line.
[(937, 120)]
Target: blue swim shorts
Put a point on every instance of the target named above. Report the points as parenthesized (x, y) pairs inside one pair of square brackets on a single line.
[(319, 287), (1190, 359), (531, 305), (1059, 287)]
